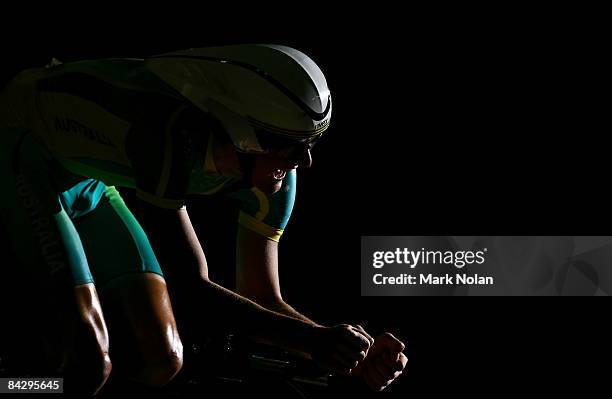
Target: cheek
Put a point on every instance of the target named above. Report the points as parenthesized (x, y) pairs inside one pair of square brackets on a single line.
[(261, 173), (266, 184)]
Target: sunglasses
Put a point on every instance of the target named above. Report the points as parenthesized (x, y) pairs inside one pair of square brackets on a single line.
[(285, 147)]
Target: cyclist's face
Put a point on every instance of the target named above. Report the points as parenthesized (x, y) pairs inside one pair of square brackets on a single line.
[(271, 169)]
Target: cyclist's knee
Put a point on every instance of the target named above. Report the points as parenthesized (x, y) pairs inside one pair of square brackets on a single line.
[(148, 346), (162, 355), (159, 368), (91, 364), (88, 374)]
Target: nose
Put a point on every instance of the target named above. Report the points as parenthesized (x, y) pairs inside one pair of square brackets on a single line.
[(305, 159)]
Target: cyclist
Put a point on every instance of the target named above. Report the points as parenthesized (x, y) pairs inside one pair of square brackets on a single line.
[(233, 121)]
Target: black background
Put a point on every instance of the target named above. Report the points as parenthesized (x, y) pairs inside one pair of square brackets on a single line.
[(446, 121)]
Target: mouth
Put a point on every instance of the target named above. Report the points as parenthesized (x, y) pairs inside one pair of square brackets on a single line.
[(279, 174)]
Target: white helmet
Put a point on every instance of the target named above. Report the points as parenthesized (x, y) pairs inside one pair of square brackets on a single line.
[(253, 90)]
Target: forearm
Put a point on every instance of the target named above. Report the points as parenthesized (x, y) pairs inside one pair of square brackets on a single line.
[(185, 270), (257, 273), (284, 308), (229, 310)]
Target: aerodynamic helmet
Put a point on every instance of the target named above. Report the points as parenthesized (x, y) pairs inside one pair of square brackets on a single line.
[(261, 94)]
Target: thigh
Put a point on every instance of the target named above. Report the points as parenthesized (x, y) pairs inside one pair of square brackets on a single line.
[(28, 203), (131, 284), (142, 326), (30, 212), (47, 256), (114, 241)]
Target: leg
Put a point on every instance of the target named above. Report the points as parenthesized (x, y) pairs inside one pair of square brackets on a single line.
[(148, 347), (146, 343), (86, 345), (48, 256)]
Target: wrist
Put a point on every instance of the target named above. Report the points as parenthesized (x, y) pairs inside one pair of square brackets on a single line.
[(311, 337)]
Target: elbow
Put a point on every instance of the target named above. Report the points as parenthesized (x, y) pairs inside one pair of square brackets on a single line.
[(272, 302)]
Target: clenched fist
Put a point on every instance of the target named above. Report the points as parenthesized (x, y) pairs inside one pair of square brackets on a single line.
[(384, 362), (340, 348)]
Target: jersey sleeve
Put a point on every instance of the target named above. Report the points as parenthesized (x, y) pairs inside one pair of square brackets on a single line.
[(162, 161), (267, 214)]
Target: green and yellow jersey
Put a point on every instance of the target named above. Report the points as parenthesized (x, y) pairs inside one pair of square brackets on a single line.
[(115, 121)]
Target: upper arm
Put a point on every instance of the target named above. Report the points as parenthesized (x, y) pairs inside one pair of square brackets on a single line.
[(257, 267), (163, 149), (173, 239), (261, 223)]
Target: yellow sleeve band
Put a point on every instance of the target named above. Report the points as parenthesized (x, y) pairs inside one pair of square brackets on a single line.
[(259, 227)]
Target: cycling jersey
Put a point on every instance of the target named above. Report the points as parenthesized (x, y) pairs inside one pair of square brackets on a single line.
[(115, 121)]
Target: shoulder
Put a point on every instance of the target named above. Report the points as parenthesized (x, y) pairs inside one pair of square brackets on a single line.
[(120, 73)]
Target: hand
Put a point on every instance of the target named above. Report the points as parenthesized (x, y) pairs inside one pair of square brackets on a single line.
[(384, 362), (340, 348)]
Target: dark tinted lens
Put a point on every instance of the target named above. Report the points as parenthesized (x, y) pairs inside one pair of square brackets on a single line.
[(269, 141)]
